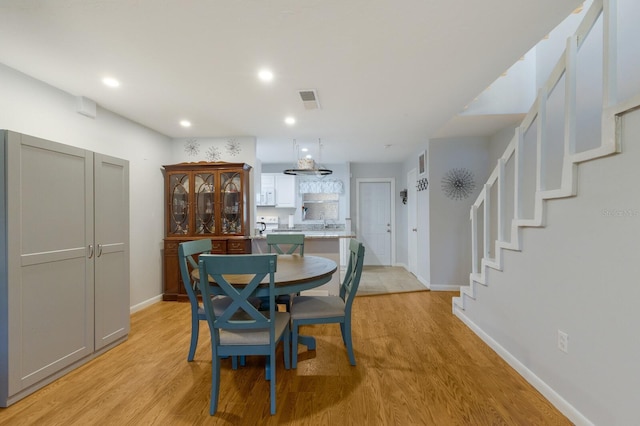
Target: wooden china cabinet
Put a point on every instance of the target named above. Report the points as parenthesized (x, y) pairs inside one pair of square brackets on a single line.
[(204, 200)]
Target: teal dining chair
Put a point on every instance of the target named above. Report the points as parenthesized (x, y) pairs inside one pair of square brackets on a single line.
[(330, 309), (278, 243), (242, 329), (186, 253), (285, 244)]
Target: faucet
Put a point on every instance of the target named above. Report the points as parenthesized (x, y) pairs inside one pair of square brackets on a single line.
[(324, 221)]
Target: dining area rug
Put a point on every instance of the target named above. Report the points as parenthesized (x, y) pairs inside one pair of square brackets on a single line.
[(386, 280)]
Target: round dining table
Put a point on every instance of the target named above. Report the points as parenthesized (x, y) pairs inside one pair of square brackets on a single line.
[(294, 273)]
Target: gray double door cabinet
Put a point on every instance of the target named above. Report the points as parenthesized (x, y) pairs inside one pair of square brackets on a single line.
[(64, 260)]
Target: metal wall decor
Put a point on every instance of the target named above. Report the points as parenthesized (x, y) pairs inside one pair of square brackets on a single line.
[(192, 147), (422, 184), (213, 154), (458, 184), (233, 147)]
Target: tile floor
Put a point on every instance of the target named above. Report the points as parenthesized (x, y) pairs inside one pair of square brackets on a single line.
[(387, 279)]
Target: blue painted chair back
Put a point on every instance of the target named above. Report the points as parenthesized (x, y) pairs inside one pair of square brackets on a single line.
[(349, 286), (241, 313), (278, 242), (186, 252)]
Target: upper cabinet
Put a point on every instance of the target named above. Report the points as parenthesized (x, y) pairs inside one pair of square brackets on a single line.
[(285, 191), (207, 199), (277, 190)]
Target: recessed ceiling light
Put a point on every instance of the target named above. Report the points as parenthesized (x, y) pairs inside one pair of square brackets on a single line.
[(111, 82), (308, 156), (304, 149), (185, 123), (265, 75), (290, 121)]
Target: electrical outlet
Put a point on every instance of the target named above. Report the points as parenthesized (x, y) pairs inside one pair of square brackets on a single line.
[(563, 341)]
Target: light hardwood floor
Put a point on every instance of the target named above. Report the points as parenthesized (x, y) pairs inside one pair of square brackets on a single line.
[(417, 365)]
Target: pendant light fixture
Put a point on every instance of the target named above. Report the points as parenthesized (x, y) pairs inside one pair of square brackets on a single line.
[(307, 166)]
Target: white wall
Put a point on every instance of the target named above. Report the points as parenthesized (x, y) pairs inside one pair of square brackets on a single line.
[(32, 107), (236, 149), (578, 274), (449, 224)]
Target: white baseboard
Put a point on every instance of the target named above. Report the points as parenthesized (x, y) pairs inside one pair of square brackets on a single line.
[(145, 304), (444, 287), (560, 403)]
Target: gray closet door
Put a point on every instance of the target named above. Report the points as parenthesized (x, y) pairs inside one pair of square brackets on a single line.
[(112, 249), (49, 229)]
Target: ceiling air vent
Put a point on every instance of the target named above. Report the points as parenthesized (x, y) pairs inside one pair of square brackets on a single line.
[(309, 98)]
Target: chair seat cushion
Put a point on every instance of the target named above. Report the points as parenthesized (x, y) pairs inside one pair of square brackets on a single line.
[(306, 307), (254, 337), (220, 303)]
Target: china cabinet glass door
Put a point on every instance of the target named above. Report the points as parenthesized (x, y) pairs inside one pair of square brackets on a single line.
[(205, 203), (231, 191), (179, 204)]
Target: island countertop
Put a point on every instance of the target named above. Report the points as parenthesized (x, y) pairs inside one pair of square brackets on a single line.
[(328, 233)]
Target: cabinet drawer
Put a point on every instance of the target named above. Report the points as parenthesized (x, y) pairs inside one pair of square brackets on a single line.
[(171, 246), (239, 246), (218, 246)]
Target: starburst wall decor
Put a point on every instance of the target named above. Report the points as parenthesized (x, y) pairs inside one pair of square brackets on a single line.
[(213, 154), (233, 147), (458, 184), (192, 147)]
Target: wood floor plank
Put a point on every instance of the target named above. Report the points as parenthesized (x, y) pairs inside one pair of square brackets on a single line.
[(417, 365)]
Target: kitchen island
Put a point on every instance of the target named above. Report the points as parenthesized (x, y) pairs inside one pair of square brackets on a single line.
[(327, 243)]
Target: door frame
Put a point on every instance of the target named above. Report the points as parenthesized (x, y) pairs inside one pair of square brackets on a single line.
[(392, 183), (412, 235)]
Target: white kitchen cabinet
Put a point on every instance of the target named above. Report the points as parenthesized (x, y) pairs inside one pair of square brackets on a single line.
[(64, 260), (285, 191), (277, 190), (267, 190)]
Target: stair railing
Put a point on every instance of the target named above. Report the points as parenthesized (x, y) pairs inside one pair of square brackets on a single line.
[(520, 196)]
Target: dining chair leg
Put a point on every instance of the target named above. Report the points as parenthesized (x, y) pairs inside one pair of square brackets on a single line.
[(287, 348), (294, 345), (267, 368), (215, 385), (272, 383), (195, 328), (346, 336), (342, 331)]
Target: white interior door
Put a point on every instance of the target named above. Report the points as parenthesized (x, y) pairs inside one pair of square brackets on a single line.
[(375, 224), (412, 222)]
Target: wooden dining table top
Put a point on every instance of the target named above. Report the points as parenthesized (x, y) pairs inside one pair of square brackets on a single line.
[(294, 273)]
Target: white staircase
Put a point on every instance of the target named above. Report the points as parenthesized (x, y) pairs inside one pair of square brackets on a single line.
[(541, 161)]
